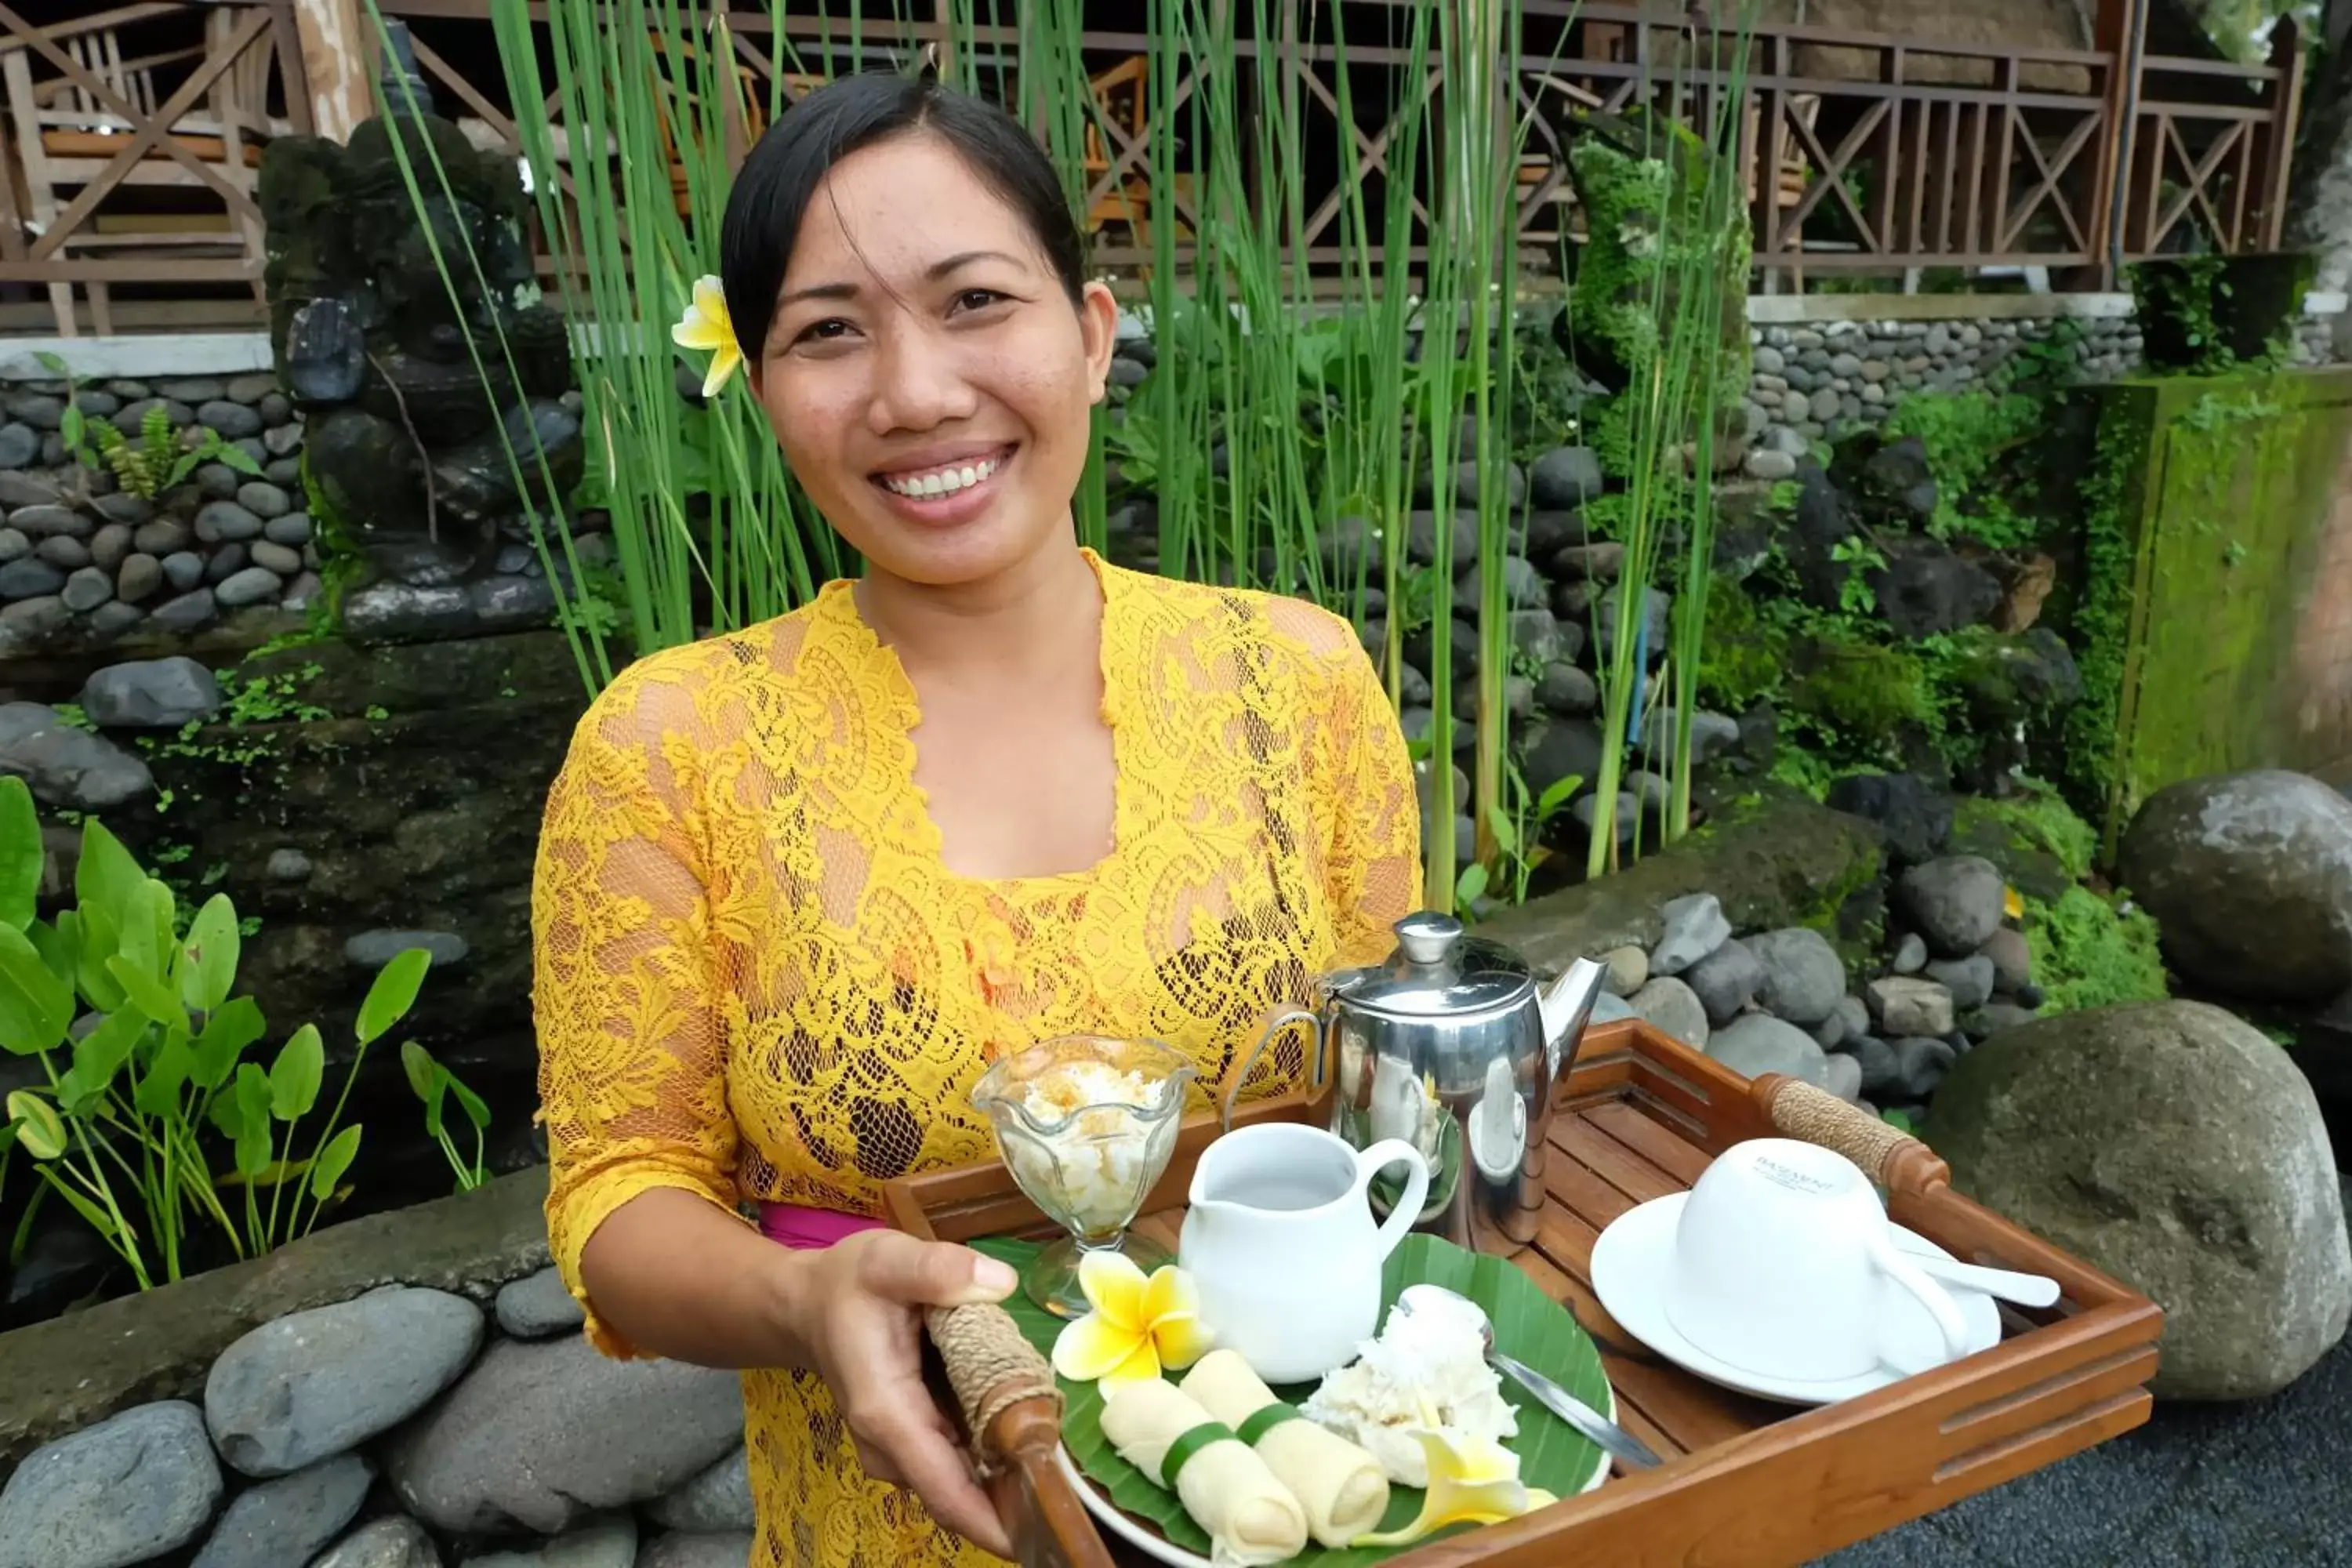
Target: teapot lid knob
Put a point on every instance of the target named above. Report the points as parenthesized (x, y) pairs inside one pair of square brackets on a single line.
[(1427, 937)]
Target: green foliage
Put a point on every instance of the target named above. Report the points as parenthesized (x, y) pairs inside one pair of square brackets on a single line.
[(2041, 819), (1745, 653), (1966, 435), (160, 460), (435, 1084), (2091, 952), (141, 1010)]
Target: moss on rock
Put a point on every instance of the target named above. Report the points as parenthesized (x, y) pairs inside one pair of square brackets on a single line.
[(1782, 861)]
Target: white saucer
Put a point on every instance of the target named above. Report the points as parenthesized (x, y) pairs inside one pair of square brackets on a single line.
[(1175, 1556), (1628, 1274)]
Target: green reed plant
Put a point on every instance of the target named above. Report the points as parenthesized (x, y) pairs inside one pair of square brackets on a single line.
[(153, 1044), (1287, 419), (1675, 199)]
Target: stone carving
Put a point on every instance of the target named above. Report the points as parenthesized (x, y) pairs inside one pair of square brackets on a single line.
[(413, 400)]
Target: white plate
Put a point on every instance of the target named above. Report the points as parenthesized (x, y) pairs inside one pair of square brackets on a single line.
[(1628, 1274), (1175, 1556)]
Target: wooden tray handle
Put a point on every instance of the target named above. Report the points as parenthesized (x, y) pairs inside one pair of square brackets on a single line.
[(1012, 1410), (991, 1369), (1891, 1157)]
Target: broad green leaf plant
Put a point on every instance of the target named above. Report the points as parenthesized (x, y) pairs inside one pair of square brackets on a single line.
[(143, 1046)]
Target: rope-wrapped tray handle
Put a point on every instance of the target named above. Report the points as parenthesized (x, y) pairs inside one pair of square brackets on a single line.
[(1888, 1156), (1013, 1411), (992, 1367)]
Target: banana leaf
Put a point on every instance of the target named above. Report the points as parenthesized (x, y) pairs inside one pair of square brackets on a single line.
[(1528, 1325)]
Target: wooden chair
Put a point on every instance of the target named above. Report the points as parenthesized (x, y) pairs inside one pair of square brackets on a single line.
[(68, 139), (1121, 95)]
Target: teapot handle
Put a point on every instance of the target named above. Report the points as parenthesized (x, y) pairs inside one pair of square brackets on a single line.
[(1274, 1025)]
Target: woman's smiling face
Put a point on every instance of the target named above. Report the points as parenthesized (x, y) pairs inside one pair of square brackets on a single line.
[(925, 372)]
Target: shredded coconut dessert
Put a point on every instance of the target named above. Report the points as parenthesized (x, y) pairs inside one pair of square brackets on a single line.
[(1433, 1355), (1094, 1163)]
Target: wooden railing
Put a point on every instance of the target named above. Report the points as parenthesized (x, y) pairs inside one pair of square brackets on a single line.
[(134, 138), (1861, 153)]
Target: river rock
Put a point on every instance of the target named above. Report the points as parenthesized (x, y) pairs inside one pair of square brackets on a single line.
[(2178, 1149), (1910, 954), (289, 1520), (1629, 970), (314, 1384), (2248, 876), (1759, 1043), (67, 766), (150, 694), (1725, 980), (1904, 1006), (1970, 980), (1955, 903), (1694, 927), (1672, 1005), (1566, 477), (525, 1441), (2011, 959), (395, 1542), (537, 1305), (719, 1499), (1841, 1076), (609, 1542), (1881, 1068), (700, 1550), (131, 1487), (1920, 1063), (1802, 976)]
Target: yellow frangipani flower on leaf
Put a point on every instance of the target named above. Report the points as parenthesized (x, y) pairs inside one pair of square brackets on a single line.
[(1138, 1325), (706, 326), (1472, 1480), (2011, 903)]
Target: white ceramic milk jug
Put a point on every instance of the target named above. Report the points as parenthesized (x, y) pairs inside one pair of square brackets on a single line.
[(1279, 1240)]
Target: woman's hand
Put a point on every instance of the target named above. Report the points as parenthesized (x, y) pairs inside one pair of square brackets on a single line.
[(861, 1318)]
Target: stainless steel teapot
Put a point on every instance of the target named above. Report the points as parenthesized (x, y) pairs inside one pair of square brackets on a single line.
[(1452, 1045)]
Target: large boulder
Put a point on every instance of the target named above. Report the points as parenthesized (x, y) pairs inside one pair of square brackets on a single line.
[(2178, 1149), (2248, 876)]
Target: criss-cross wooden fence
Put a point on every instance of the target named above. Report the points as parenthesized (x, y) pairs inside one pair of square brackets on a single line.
[(133, 136)]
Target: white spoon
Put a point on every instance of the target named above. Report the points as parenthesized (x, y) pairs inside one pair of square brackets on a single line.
[(2007, 1284)]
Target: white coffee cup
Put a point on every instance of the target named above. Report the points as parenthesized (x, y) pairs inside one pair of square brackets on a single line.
[(1785, 1265)]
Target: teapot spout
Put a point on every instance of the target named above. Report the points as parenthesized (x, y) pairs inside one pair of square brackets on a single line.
[(1567, 1006)]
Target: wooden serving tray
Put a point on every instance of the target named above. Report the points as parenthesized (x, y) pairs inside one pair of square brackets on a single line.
[(1746, 1481)]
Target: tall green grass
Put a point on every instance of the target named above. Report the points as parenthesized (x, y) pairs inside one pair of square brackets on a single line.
[(1288, 419)]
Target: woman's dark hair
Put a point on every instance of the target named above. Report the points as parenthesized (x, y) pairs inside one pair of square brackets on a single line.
[(772, 192)]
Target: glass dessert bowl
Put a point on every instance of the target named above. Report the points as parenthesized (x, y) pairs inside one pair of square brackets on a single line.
[(1086, 1124)]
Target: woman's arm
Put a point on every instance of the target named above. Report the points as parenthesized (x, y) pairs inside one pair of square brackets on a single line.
[(629, 996)]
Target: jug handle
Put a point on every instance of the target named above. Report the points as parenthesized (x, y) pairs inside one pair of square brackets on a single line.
[(1274, 1025), (1407, 1211)]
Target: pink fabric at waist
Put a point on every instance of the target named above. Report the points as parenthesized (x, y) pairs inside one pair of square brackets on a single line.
[(810, 1228)]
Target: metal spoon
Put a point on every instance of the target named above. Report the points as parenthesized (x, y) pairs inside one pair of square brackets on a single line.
[(2025, 1289), (1620, 1443)]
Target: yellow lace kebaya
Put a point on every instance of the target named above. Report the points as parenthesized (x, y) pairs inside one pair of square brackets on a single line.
[(756, 981)]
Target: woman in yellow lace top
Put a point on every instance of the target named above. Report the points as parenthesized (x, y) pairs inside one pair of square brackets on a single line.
[(799, 885)]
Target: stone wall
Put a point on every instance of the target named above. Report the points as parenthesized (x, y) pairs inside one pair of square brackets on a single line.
[(83, 559), (1818, 380), (86, 564), (392, 1394)]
